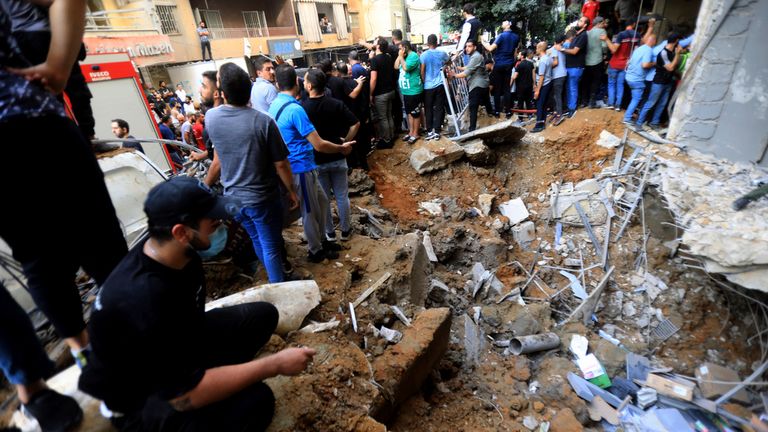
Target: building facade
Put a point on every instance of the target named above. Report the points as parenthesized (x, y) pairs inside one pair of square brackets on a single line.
[(158, 34)]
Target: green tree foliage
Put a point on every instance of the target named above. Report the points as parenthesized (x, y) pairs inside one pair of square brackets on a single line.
[(535, 19)]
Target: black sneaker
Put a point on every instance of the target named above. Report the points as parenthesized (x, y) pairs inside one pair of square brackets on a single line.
[(538, 128), (509, 115), (317, 257), (287, 267), (330, 254), (384, 144), (331, 237), (345, 235), (570, 114), (330, 246), (54, 411)]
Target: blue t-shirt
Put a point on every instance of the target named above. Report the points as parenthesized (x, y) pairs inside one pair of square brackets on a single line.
[(166, 132), (635, 71), (506, 43), (433, 60), (357, 70), (294, 126)]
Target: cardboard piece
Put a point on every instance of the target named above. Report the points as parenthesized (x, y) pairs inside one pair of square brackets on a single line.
[(599, 409), (713, 372), (675, 388)]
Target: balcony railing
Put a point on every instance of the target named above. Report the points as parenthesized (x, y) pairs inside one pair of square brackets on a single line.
[(119, 20), (237, 33)]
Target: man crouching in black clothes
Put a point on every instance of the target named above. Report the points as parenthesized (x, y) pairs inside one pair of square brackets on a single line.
[(159, 361)]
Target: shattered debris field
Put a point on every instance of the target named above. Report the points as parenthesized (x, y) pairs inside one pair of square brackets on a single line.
[(550, 235)]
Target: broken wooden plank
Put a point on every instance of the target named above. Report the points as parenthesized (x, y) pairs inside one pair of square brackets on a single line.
[(371, 289)]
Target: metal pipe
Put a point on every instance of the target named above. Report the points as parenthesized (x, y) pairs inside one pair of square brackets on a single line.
[(533, 343)]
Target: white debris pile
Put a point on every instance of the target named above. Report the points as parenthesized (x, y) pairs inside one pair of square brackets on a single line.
[(700, 190)]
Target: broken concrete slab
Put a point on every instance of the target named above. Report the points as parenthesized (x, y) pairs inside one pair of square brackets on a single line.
[(515, 210), (294, 300), (360, 183), (424, 160), (474, 341), (402, 369), (413, 284), (479, 154), (608, 140), (524, 233), (505, 131)]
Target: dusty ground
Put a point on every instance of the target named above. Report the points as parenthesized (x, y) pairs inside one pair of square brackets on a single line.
[(499, 391)]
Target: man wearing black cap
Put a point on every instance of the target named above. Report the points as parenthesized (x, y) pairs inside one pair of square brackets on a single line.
[(159, 361)]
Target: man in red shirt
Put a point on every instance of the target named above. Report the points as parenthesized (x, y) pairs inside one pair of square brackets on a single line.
[(197, 130), (590, 10), (621, 49)]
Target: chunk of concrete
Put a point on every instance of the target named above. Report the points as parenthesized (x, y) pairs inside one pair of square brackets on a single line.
[(424, 160), (500, 132), (485, 201), (479, 154), (608, 140), (515, 210), (413, 284), (474, 341), (294, 300), (524, 233), (402, 369)]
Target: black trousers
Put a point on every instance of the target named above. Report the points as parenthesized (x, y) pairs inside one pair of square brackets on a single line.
[(501, 95), (233, 335), (206, 45), (434, 108), (478, 96), (525, 98), (594, 76), (541, 103), (59, 216)]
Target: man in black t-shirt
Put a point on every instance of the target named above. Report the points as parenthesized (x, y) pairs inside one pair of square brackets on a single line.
[(524, 79), (334, 122), (159, 361), (575, 61), (383, 93), (356, 94), (666, 63)]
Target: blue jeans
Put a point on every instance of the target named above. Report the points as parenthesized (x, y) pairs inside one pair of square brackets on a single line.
[(333, 179), (264, 225), (615, 86), (637, 88), (22, 359), (574, 76), (658, 96)]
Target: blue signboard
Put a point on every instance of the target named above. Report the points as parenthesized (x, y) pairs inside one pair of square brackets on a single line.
[(287, 48)]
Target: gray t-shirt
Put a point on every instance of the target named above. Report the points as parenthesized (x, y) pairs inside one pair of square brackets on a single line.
[(186, 128), (477, 75), (545, 68), (627, 9), (200, 31), (248, 143)]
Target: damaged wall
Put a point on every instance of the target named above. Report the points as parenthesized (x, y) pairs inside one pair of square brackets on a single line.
[(724, 107)]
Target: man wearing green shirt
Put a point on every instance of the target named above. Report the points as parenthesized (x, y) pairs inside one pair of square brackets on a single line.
[(411, 87), (594, 59)]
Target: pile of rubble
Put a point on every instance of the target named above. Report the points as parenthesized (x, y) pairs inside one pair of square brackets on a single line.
[(700, 190)]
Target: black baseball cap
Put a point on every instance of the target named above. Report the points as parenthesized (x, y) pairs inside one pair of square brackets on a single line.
[(185, 199)]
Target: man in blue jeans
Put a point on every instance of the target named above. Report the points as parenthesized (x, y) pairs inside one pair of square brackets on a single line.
[(575, 61), (253, 160), (666, 64), (336, 123), (639, 66), (302, 139)]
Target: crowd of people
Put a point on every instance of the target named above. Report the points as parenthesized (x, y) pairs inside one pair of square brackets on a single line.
[(582, 68), (281, 145)]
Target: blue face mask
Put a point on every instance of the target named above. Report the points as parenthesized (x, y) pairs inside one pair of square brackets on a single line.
[(218, 240)]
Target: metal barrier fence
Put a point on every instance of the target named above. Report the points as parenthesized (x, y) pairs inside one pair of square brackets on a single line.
[(457, 93)]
